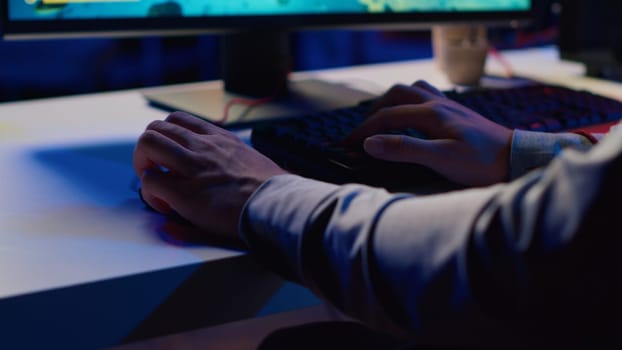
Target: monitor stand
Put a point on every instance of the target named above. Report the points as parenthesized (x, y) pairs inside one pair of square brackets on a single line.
[(256, 78)]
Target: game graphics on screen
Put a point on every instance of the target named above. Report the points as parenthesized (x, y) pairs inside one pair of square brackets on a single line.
[(77, 9)]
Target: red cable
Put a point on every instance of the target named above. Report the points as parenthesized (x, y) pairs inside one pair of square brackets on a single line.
[(249, 102), (507, 66)]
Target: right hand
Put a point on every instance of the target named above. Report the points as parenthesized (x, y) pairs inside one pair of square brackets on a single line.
[(210, 173), (461, 145)]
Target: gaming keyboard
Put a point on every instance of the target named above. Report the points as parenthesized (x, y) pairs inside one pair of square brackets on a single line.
[(308, 144)]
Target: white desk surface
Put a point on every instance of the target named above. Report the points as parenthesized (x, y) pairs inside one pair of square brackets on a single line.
[(68, 213)]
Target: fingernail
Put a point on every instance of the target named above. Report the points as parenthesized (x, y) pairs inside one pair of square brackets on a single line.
[(374, 145)]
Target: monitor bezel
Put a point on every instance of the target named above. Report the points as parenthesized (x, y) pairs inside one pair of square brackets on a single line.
[(124, 27)]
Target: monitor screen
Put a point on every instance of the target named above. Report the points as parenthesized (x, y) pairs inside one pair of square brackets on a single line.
[(124, 17), (33, 9)]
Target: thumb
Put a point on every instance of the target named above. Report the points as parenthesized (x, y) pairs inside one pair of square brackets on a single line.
[(399, 148)]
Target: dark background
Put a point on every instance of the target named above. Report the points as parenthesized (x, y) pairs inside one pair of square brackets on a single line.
[(592, 34)]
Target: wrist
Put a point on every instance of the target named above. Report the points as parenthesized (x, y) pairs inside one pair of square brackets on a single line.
[(531, 150)]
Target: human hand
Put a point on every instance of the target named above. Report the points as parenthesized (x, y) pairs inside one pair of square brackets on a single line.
[(210, 173), (461, 145)]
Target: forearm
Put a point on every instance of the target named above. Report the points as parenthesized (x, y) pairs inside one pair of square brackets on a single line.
[(377, 256), (524, 249)]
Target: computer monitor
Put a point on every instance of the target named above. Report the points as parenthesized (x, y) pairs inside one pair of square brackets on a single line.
[(255, 46), (123, 17)]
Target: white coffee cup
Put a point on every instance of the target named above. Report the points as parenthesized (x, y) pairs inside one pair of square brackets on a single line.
[(461, 52)]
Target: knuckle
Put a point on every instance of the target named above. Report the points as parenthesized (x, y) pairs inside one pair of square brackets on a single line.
[(435, 106), (211, 140), (383, 112), (149, 137), (156, 124), (176, 116), (399, 88), (382, 115), (424, 85)]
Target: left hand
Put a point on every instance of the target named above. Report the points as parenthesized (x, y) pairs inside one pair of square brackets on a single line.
[(204, 173), (462, 145)]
